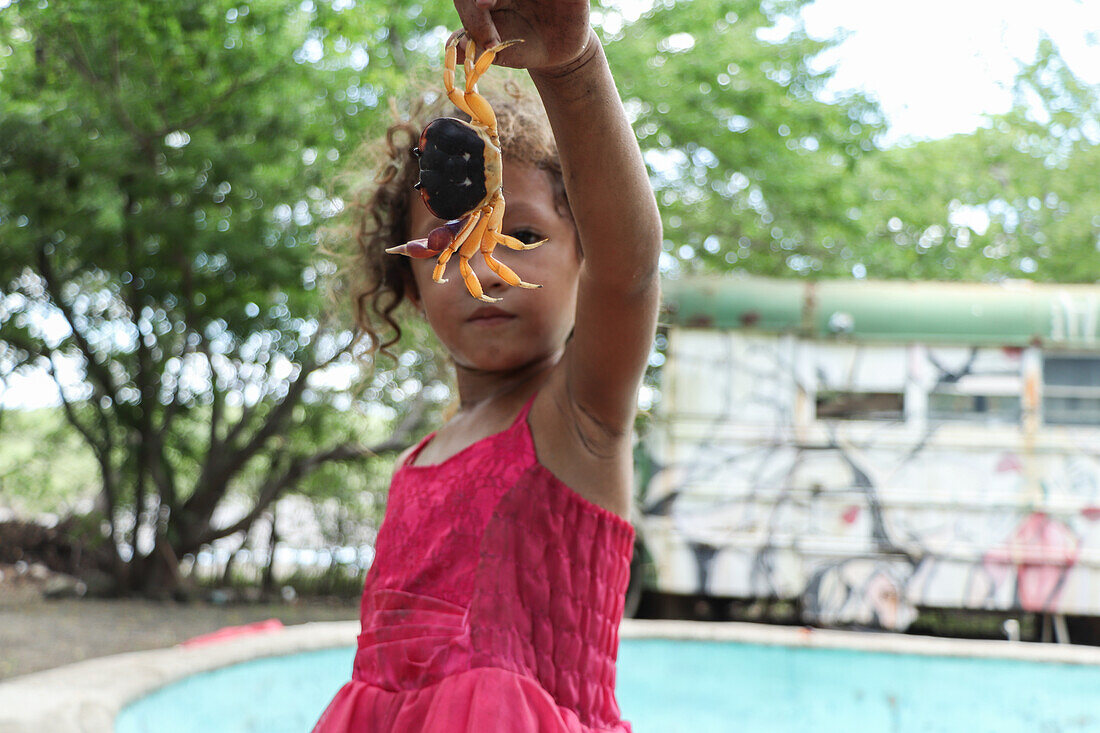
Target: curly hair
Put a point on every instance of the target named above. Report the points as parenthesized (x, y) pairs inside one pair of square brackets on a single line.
[(380, 186)]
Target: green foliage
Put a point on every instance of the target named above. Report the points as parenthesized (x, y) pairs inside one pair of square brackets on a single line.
[(756, 173), (752, 169), (164, 168), (44, 464), (337, 581), (167, 157), (1016, 199)]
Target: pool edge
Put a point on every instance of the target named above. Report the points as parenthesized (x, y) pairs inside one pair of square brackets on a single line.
[(866, 641), (87, 696)]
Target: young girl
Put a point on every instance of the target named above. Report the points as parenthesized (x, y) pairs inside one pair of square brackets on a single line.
[(497, 588)]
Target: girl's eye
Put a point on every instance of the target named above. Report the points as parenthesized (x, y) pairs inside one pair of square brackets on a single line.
[(526, 236)]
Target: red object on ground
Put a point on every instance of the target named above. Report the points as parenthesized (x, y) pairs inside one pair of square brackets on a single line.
[(493, 603), (232, 632)]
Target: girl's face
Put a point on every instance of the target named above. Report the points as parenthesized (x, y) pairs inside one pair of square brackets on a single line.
[(526, 325)]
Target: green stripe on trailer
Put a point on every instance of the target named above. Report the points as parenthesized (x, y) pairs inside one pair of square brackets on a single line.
[(1013, 313)]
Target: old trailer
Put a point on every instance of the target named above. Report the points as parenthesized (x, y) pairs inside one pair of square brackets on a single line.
[(868, 449)]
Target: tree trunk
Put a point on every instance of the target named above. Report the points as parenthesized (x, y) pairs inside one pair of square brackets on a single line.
[(156, 575), (267, 585)]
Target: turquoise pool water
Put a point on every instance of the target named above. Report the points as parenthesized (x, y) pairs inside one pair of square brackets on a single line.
[(692, 687)]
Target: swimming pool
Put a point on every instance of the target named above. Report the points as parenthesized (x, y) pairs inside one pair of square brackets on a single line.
[(691, 686)]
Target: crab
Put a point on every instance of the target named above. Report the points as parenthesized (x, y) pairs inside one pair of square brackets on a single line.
[(460, 180)]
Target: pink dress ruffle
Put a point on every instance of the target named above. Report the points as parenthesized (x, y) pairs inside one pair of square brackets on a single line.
[(493, 604)]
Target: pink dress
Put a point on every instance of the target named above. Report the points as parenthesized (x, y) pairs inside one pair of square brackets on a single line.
[(493, 604)]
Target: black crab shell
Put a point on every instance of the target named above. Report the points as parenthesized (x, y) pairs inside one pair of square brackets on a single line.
[(452, 168)]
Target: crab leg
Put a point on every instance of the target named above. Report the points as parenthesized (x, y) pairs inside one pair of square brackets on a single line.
[(492, 238), (484, 61), (476, 105), (441, 266), (472, 283), (473, 242), (468, 64), (496, 215), (503, 271), (450, 58), (495, 221), (469, 248), (459, 240), (513, 243)]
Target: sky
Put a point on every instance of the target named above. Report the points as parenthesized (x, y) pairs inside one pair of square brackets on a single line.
[(936, 67)]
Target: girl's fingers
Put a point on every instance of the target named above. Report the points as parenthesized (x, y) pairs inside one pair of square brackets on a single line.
[(477, 22)]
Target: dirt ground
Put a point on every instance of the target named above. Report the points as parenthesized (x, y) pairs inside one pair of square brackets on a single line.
[(37, 634)]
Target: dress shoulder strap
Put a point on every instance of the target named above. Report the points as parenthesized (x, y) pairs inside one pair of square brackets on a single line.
[(416, 451), (519, 424), (526, 408)]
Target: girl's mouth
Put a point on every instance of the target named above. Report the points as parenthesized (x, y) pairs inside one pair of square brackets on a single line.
[(489, 315)]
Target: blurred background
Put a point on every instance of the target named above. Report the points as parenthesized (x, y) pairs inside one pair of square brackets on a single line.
[(186, 416)]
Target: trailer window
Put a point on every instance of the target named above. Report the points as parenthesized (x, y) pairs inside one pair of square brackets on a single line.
[(1071, 390), (860, 406), (947, 405)]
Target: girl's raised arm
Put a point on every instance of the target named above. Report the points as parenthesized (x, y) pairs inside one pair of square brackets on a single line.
[(620, 233), (608, 189)]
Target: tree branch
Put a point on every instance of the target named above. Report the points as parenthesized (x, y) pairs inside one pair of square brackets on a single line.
[(70, 413), (213, 104), (84, 68), (190, 321), (302, 467), (273, 489), (146, 382), (275, 418), (221, 465), (402, 436), (96, 370)]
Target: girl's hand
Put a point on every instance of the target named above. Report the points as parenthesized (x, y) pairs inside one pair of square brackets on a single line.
[(556, 34)]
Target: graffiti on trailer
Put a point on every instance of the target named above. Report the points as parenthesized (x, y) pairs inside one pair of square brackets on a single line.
[(868, 480)]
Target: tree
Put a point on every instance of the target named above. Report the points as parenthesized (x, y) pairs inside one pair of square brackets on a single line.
[(1014, 199), (758, 172), (163, 169)]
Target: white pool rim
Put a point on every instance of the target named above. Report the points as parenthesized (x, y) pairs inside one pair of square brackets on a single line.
[(87, 696)]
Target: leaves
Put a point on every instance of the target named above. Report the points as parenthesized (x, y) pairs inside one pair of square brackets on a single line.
[(756, 172), (1015, 199), (750, 167)]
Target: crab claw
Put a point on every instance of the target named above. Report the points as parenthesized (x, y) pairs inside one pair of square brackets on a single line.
[(443, 237), (417, 248), (437, 240)]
